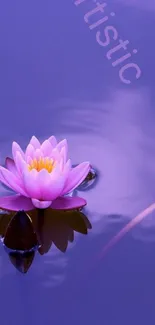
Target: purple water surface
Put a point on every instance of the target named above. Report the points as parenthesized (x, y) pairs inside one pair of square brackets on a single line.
[(56, 79)]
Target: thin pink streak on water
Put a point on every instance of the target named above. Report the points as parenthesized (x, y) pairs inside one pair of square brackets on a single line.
[(119, 236), (126, 229)]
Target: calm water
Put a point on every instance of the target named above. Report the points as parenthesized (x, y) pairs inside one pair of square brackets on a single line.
[(56, 79)]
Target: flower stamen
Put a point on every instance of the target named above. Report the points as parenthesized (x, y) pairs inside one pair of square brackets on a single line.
[(41, 163)]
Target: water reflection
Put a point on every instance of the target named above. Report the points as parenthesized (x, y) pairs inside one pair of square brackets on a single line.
[(23, 234), (20, 234), (22, 261), (111, 128), (121, 145)]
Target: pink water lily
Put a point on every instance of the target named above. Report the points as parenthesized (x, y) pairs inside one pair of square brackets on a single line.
[(42, 176)]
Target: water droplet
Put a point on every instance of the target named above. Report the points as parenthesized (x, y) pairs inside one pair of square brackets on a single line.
[(90, 180)]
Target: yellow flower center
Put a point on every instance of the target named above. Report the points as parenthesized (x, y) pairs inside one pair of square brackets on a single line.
[(41, 163)]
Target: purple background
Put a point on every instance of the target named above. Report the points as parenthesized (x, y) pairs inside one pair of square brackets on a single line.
[(55, 79)]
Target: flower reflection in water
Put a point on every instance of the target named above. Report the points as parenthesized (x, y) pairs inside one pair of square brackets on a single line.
[(23, 234)]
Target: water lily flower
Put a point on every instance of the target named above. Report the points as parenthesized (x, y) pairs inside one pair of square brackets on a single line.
[(42, 176)]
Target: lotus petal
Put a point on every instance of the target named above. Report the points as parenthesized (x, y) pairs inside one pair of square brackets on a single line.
[(15, 148), (41, 204), (76, 177), (35, 142), (66, 169), (10, 165), (31, 184), (63, 155), (46, 148), (63, 145), (50, 185), (38, 154), (10, 180), (16, 202), (55, 154), (68, 203), (29, 151), (53, 141), (19, 162)]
